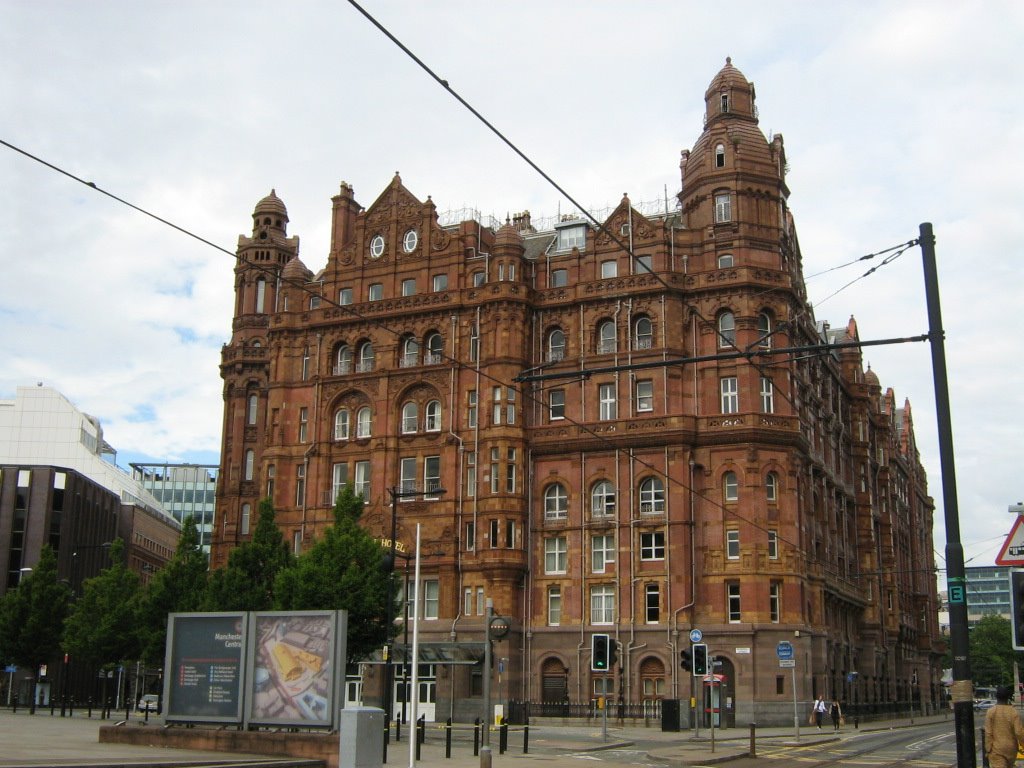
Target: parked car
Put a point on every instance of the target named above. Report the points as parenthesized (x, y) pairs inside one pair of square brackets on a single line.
[(150, 702), (981, 705)]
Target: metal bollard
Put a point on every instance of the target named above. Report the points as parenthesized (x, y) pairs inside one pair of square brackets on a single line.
[(526, 739), (15, 705), (476, 737), (448, 738), (502, 737), (398, 728), (421, 733), (753, 739), (90, 706)]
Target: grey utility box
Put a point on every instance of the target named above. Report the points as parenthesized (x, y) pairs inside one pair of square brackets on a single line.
[(361, 737)]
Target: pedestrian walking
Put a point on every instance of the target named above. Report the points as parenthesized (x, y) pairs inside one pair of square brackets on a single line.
[(820, 708), (836, 713), (1004, 732)]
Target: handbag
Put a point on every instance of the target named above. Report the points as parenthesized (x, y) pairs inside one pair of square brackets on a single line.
[(810, 718), (842, 719)]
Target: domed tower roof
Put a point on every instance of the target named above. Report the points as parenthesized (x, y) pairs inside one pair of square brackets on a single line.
[(270, 214), (296, 270), (730, 93), (871, 378), (507, 234)]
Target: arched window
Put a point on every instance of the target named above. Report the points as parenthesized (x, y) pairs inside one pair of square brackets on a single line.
[(771, 486), (364, 421), (250, 459), (250, 412), (432, 416), (730, 487), (720, 156), (365, 357), (725, 260), (556, 345), (243, 527), (341, 424), (435, 349), (410, 418), (764, 329), (606, 337), (343, 360), (643, 333), (726, 329), (410, 352), (652, 496), (556, 502), (261, 295), (602, 499)]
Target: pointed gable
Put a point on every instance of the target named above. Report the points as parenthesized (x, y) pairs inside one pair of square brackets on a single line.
[(624, 220)]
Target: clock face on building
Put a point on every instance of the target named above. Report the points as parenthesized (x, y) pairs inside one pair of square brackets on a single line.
[(410, 240), (376, 246)]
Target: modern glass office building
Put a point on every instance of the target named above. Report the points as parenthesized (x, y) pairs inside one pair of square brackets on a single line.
[(183, 490)]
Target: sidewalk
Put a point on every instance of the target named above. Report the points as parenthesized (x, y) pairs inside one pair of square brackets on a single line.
[(29, 741)]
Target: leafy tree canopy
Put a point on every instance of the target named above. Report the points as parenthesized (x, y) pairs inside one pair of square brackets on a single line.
[(343, 570), (991, 651), (32, 615)]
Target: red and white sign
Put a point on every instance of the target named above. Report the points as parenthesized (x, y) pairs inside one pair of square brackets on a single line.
[(1012, 553)]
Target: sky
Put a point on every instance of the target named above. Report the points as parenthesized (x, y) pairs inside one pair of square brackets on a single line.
[(893, 113)]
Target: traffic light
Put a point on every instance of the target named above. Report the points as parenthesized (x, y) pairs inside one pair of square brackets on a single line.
[(700, 659), (599, 653), (613, 651), (1017, 608), (686, 660)]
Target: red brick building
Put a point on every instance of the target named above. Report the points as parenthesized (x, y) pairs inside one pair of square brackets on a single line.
[(612, 458)]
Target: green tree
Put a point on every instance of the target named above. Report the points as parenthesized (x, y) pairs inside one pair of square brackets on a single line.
[(98, 629), (991, 651), (343, 570), (247, 582), (32, 615), (180, 586)]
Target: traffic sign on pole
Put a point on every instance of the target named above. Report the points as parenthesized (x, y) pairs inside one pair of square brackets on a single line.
[(784, 650), (1012, 553)]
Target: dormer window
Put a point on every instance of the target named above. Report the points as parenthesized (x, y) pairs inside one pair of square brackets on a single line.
[(570, 237), (725, 102), (720, 156)]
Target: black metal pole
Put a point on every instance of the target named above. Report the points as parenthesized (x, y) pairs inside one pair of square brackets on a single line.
[(388, 685), (962, 689)]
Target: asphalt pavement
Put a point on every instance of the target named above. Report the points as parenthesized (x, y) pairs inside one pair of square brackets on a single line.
[(43, 740)]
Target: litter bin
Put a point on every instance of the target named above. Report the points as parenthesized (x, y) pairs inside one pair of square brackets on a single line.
[(670, 714)]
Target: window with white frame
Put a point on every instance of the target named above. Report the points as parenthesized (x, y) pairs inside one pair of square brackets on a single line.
[(410, 353), (410, 418), (730, 486), (510, 470), (341, 424), (556, 345), (439, 283), (643, 264), (774, 601), (556, 502), (725, 260), (478, 278), (644, 395), (339, 479), (559, 278), (364, 422), (652, 545), (732, 544), (407, 474), (435, 349), (345, 296), (474, 343), (250, 461), (556, 404), (431, 477), (554, 606), (492, 538), (643, 333), (305, 363), (481, 603), (467, 601), (261, 295), (366, 357), (726, 329), (510, 533), (471, 400), (602, 499), (251, 410), (430, 598), (608, 406), (470, 536), (730, 394), (764, 330), (771, 487), (343, 360), (361, 482), (773, 544), (271, 475), (432, 416), (246, 517), (300, 485), (652, 603), (723, 207), (720, 156), (652, 496), (606, 337), (409, 286), (471, 473), (496, 405), (734, 602), (303, 424), (510, 405), (556, 555), (495, 466), (767, 395), (572, 237), (375, 292), (602, 604), (602, 551), (609, 268)]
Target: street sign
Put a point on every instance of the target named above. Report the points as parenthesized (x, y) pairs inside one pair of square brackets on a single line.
[(784, 650), (1012, 553), (696, 635), (787, 663), (11, 669)]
